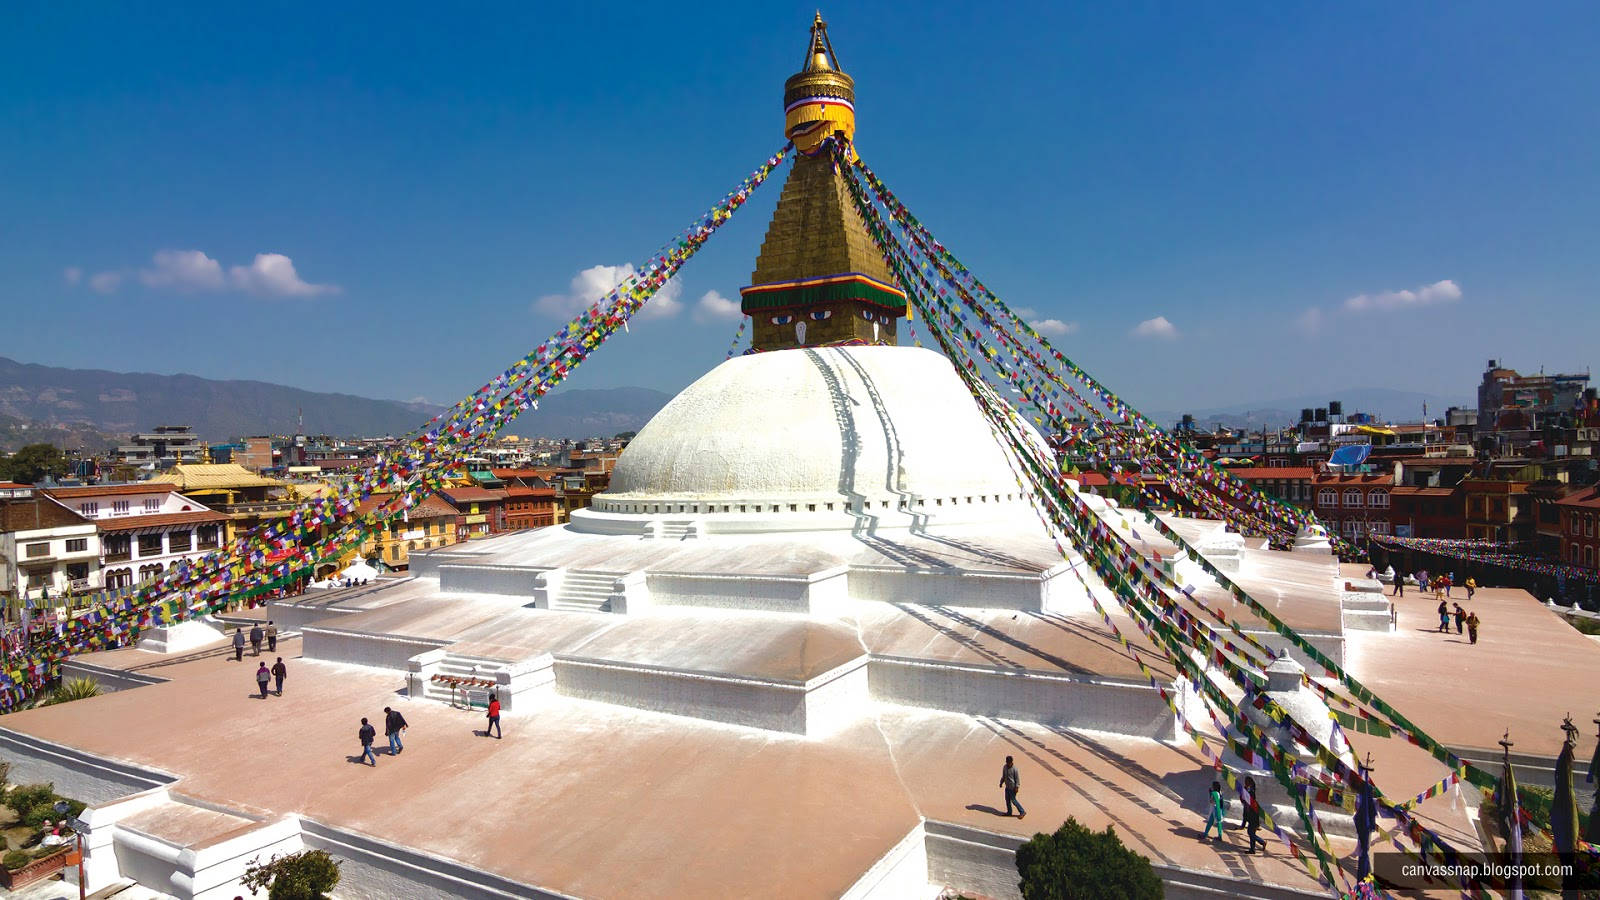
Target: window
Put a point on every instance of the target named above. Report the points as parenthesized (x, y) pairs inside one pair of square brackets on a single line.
[(119, 507), (208, 537), (1351, 526), (151, 504), (1379, 528), (89, 509), (77, 545), (1352, 497), (1378, 499), (1588, 527), (1574, 524), (116, 546), (150, 544), (180, 541), (1327, 497), (77, 571), (37, 550), (1588, 556), (1572, 553)]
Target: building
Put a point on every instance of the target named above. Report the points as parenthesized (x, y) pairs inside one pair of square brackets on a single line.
[(247, 499), (1288, 483), (258, 453), (481, 511), (531, 500), (145, 527), (1427, 512), (46, 549), (1580, 527), (1513, 409), (428, 525), (1497, 509), (1354, 505), (162, 448)]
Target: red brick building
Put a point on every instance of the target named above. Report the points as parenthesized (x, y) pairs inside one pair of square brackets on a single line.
[(531, 500), (1580, 527), (1427, 512), (1354, 505)]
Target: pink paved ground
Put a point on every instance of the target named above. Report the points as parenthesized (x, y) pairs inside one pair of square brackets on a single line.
[(1528, 670), (601, 801)]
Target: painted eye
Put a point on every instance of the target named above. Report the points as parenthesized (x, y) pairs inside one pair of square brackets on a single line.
[(782, 320), (817, 315), (866, 314)]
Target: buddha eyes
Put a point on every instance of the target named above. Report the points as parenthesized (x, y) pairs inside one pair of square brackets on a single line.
[(817, 315), (782, 320), (867, 314)]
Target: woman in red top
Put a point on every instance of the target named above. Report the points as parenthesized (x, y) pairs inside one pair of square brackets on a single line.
[(494, 717)]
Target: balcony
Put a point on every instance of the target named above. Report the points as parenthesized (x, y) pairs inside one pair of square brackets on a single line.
[(119, 556), (256, 507)]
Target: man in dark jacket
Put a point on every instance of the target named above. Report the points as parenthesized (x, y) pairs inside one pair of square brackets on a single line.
[(367, 734), (393, 724), (1252, 815), (280, 672), (255, 640), (1012, 782), (238, 644)]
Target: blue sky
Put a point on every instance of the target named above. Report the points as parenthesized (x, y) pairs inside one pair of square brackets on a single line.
[(374, 199)]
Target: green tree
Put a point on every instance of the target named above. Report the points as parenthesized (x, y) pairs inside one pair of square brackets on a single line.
[(32, 463), (76, 689), (307, 875), (1078, 864)]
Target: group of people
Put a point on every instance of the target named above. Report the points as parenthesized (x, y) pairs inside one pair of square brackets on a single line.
[(1463, 618), (278, 671), (1250, 817), (351, 582), (257, 634), (1440, 585), (393, 725)]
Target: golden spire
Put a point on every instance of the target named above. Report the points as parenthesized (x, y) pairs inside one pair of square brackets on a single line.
[(819, 100)]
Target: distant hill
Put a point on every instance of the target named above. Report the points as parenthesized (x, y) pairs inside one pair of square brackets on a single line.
[(58, 402), (1385, 404)]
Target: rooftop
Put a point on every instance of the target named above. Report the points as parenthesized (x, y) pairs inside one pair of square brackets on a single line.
[(214, 476), (107, 490)]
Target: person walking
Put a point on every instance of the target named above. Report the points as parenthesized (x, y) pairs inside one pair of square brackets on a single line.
[(1444, 617), (255, 640), (1012, 782), (1472, 587), (272, 637), (494, 717), (1215, 815), (1472, 626), (1461, 618), (280, 672), (238, 645), (1252, 816), (367, 734), (262, 676), (1449, 582), (1399, 583), (393, 724)]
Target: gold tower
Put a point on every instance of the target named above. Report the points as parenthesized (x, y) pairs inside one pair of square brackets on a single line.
[(819, 279)]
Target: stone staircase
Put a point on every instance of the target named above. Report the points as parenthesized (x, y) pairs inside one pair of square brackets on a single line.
[(461, 667), (584, 592), (676, 530), (1364, 606)]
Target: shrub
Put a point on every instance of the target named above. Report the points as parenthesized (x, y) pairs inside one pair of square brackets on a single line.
[(1078, 864), (34, 803), (76, 689), (16, 859), (307, 875), (1585, 624)]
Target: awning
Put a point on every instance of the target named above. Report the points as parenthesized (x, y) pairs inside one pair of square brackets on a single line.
[(1373, 429), (1352, 455)]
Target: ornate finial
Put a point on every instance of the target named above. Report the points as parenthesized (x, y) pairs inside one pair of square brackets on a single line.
[(1571, 730), (819, 100), (1367, 766), (1506, 744)]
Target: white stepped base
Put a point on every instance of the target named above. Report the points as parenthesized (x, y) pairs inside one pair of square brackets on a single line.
[(180, 638)]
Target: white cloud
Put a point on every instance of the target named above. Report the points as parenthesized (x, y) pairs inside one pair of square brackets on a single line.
[(713, 307), (72, 274), (595, 282), (105, 282), (273, 274), (1158, 327), (1311, 321), (1445, 291), (185, 270), (1054, 327)]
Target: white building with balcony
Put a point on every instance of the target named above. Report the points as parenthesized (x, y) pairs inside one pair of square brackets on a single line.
[(47, 550), (145, 527)]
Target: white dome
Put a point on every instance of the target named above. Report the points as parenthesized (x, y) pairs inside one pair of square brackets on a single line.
[(815, 438)]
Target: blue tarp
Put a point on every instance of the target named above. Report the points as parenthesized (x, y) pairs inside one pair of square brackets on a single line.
[(1353, 455)]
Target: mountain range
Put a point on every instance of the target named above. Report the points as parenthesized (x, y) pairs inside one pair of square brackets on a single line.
[(1384, 404), (52, 398)]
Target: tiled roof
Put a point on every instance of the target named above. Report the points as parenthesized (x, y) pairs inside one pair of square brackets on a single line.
[(160, 520), (1585, 499), (37, 514), (200, 476), (472, 495), (431, 507), (106, 490), (522, 490), (1406, 490), (1268, 472)]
